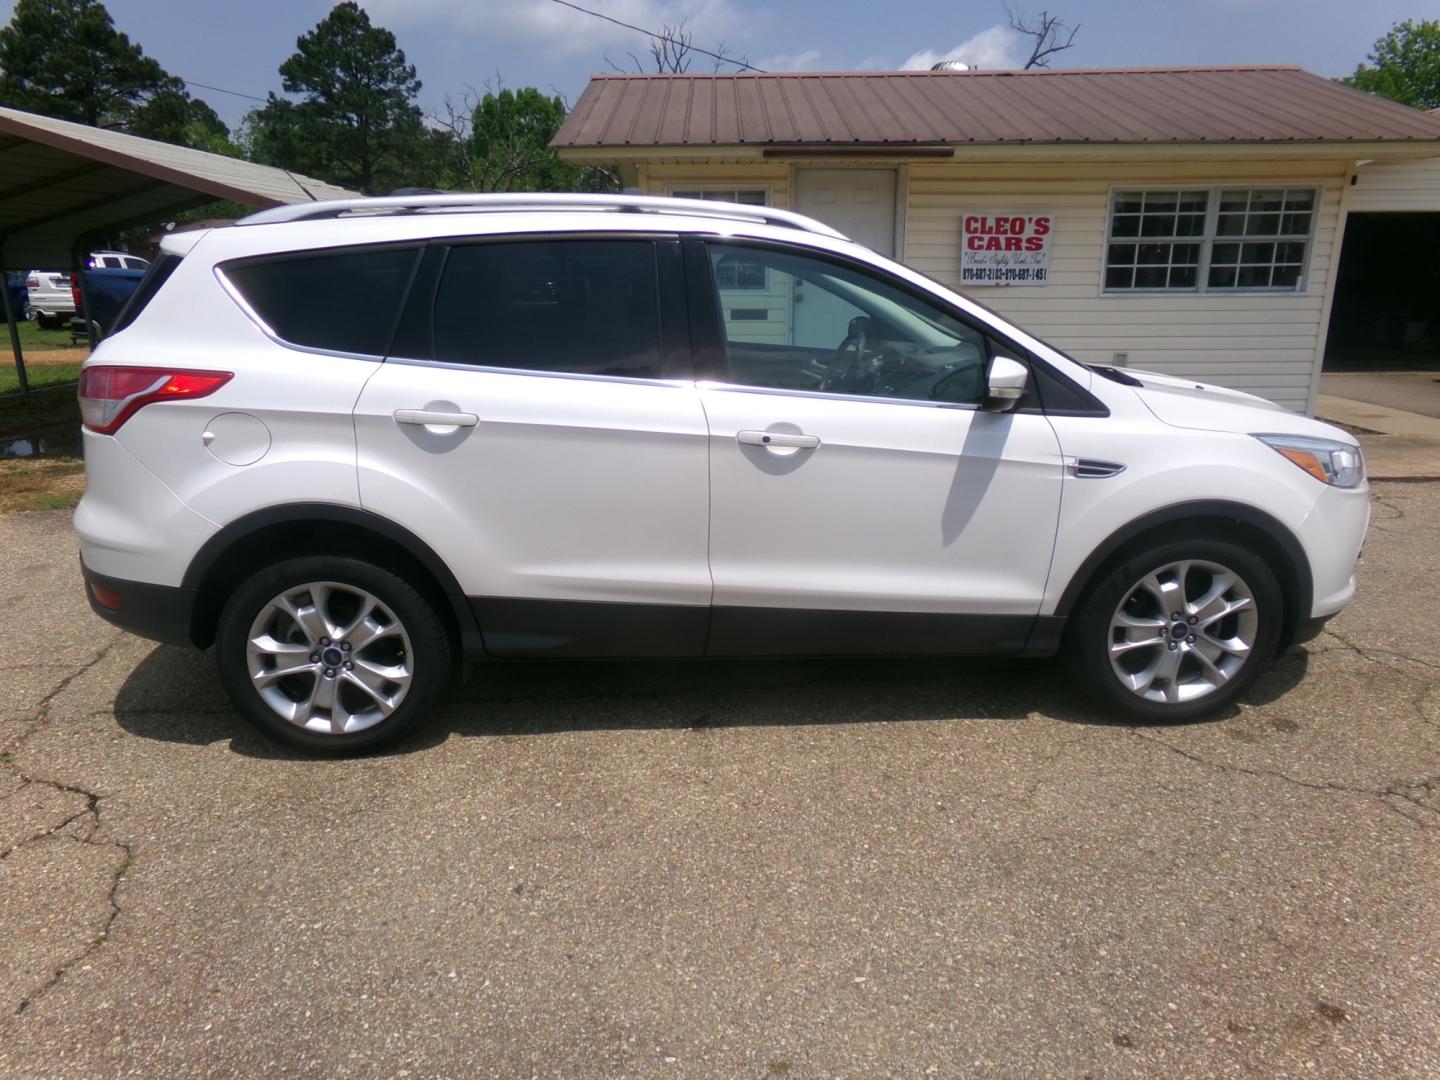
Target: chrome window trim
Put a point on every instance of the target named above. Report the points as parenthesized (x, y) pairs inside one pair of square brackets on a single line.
[(454, 365), (826, 395)]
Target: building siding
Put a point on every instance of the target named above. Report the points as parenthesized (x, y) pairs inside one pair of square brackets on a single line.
[(1396, 187), (1263, 343)]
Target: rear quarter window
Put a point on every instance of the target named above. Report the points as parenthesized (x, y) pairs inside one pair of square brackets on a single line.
[(341, 301)]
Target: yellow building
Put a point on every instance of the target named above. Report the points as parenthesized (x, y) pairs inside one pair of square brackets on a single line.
[(1188, 221)]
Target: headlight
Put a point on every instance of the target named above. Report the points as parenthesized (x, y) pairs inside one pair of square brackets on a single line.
[(1331, 462)]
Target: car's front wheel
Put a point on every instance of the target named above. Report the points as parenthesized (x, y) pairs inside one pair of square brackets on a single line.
[(1177, 630), (332, 654)]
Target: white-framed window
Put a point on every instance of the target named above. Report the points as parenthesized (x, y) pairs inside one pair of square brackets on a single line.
[(1209, 239), (737, 274)]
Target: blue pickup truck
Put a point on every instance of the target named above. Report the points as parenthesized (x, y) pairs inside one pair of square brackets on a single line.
[(107, 289)]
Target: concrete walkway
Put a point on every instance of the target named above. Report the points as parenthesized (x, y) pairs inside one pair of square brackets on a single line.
[(1399, 443)]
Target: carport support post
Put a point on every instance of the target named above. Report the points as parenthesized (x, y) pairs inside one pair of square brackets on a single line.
[(78, 262), (10, 316)]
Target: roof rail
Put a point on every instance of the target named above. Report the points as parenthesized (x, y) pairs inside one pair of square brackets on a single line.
[(409, 204)]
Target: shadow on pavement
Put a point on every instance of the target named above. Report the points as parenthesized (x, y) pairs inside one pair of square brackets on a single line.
[(174, 695)]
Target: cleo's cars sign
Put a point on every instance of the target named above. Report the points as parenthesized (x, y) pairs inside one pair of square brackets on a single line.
[(1005, 249)]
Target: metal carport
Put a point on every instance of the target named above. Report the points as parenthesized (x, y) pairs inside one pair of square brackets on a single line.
[(64, 186)]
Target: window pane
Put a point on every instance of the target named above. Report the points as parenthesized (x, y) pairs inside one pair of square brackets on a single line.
[(832, 328), (1234, 202), (1125, 225), (1119, 277), (345, 301), (1295, 225), (1162, 201), (1154, 253), (1185, 253), (1262, 225), (1151, 277), (1225, 253), (1255, 254), (1230, 225), (1190, 225), (1222, 277), (1290, 253), (1129, 202), (1121, 254), (1194, 202), (582, 306), (1183, 277), (1253, 277), (1286, 277), (1157, 225)]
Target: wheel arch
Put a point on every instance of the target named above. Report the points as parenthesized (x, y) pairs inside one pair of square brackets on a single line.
[(1276, 543), (249, 542)]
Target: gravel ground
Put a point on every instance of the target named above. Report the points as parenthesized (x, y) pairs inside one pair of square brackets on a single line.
[(725, 869)]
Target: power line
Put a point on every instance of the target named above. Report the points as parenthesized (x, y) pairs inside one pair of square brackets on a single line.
[(222, 90), (662, 37)]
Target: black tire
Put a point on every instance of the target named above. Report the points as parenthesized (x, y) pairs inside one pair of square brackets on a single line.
[(422, 644), (47, 321), (1090, 634)]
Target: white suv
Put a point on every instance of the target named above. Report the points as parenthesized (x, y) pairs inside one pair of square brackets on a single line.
[(350, 443)]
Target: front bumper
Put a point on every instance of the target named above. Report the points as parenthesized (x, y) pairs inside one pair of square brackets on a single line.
[(159, 612)]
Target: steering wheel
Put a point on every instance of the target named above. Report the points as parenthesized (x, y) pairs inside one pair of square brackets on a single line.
[(841, 368)]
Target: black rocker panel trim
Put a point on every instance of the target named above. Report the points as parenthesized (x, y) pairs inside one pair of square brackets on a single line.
[(575, 629), (748, 631), (565, 629)]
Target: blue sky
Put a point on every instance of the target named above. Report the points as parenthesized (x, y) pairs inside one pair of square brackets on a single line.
[(459, 43)]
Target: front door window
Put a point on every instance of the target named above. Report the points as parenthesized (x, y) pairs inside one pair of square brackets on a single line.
[(825, 326)]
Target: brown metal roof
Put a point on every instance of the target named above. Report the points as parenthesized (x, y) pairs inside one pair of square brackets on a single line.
[(898, 108)]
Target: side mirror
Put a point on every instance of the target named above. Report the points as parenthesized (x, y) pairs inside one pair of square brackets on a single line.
[(1005, 384)]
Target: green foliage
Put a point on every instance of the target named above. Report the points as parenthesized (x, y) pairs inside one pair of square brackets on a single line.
[(1404, 65), (501, 142), (357, 123), (64, 58), (176, 117)]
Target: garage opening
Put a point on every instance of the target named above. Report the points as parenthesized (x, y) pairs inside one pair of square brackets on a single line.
[(1386, 314)]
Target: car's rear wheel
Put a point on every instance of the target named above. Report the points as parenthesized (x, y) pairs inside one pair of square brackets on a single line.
[(332, 654), (1177, 630)]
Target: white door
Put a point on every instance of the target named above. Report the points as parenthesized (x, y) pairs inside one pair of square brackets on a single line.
[(544, 456), (853, 472), (858, 202)]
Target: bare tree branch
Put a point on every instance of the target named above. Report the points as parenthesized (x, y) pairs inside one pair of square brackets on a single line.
[(1049, 34), (669, 45)]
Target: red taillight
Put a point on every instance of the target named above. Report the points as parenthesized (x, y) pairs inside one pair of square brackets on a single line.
[(110, 395), (75, 293), (32, 283)]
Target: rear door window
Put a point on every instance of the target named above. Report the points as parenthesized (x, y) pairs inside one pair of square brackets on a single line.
[(345, 300), (576, 306)]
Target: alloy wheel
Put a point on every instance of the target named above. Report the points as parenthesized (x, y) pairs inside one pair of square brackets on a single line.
[(330, 658), (1183, 631)]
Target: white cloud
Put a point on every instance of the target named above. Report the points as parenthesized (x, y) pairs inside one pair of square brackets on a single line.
[(809, 60), (994, 49), (563, 31)]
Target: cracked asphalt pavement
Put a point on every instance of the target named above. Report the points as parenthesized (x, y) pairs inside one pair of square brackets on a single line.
[(726, 868)]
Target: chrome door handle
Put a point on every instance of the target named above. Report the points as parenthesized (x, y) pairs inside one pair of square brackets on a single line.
[(777, 438), (435, 419)]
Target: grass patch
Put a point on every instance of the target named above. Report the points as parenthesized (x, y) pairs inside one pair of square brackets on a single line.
[(34, 339), (41, 483), (39, 375)]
